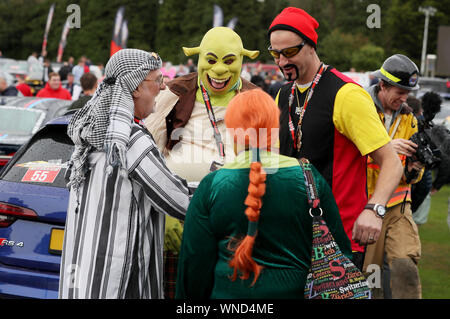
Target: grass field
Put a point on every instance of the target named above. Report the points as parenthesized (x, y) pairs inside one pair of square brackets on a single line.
[(434, 266)]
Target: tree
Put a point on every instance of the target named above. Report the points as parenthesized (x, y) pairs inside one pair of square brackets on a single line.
[(170, 32), (270, 8), (337, 48), (368, 58), (166, 26)]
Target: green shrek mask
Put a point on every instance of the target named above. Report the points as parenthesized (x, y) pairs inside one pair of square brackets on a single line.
[(219, 64)]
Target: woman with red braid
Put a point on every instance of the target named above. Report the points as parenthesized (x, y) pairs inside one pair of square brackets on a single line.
[(248, 233)]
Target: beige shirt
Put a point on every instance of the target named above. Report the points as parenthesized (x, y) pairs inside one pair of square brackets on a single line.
[(191, 158)]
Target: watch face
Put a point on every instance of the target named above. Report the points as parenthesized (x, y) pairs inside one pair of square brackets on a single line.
[(381, 210)]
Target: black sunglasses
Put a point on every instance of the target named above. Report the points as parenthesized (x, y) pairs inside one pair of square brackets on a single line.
[(287, 52)]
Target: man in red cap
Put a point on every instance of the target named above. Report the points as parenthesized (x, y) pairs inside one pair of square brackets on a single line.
[(332, 121)]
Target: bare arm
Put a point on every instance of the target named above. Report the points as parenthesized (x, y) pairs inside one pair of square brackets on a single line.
[(368, 224)]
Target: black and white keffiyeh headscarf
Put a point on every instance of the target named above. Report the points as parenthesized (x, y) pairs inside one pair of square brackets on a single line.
[(104, 123)]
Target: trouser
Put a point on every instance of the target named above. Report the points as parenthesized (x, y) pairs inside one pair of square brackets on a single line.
[(399, 246), (170, 274), (358, 259)]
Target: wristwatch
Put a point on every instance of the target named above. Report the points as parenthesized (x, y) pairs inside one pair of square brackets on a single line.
[(379, 209)]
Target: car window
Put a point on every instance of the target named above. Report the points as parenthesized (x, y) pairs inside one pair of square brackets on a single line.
[(43, 161), (29, 123)]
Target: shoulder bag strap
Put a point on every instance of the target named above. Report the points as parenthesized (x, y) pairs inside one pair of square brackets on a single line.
[(311, 189)]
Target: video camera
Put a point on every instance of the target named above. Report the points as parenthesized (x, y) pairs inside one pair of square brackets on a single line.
[(427, 152)]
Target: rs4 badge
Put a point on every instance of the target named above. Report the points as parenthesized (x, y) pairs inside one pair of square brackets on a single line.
[(10, 243)]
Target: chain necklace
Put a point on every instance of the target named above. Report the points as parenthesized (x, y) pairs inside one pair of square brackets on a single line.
[(297, 134)]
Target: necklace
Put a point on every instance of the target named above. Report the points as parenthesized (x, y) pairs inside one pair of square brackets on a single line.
[(297, 134)]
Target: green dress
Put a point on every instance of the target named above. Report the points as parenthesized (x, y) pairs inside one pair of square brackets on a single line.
[(283, 242)]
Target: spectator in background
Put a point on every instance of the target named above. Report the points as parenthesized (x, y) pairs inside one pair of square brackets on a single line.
[(89, 83), (78, 70), (6, 90), (54, 89), (258, 80), (373, 79), (191, 66), (47, 70), (420, 192), (87, 64), (102, 69), (66, 69), (267, 82), (168, 70), (440, 136), (33, 58), (72, 87), (70, 61), (1, 55), (22, 86), (276, 85), (182, 70)]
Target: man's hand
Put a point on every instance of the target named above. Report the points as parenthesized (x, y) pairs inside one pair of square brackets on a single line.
[(405, 147), (415, 166), (367, 228)]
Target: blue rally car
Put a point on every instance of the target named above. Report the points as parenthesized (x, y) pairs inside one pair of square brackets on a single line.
[(33, 207)]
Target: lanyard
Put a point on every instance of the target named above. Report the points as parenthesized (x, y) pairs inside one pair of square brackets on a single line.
[(212, 119), (297, 139), (310, 185)]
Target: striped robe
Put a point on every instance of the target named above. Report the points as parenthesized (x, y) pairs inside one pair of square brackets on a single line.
[(114, 235)]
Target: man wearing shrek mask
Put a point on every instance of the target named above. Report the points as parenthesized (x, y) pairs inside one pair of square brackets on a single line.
[(188, 124)]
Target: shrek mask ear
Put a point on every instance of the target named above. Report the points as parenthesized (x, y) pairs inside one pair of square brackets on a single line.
[(191, 51), (251, 54)]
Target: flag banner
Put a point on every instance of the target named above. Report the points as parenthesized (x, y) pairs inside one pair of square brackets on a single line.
[(232, 23), (116, 41), (63, 41), (47, 28), (124, 34), (217, 17)]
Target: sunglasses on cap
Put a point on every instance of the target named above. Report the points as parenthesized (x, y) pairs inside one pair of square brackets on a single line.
[(287, 52), (155, 55)]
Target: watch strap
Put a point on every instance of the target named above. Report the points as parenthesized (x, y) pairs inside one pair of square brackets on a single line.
[(373, 207)]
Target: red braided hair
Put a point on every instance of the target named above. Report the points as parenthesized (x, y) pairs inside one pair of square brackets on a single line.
[(251, 111)]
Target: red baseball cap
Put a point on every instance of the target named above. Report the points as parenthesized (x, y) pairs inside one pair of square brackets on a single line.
[(297, 21)]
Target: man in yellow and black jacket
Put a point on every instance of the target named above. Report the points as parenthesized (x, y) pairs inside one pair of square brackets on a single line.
[(398, 246)]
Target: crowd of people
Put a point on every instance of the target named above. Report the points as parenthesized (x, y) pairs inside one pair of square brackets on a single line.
[(61, 85), (206, 158)]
